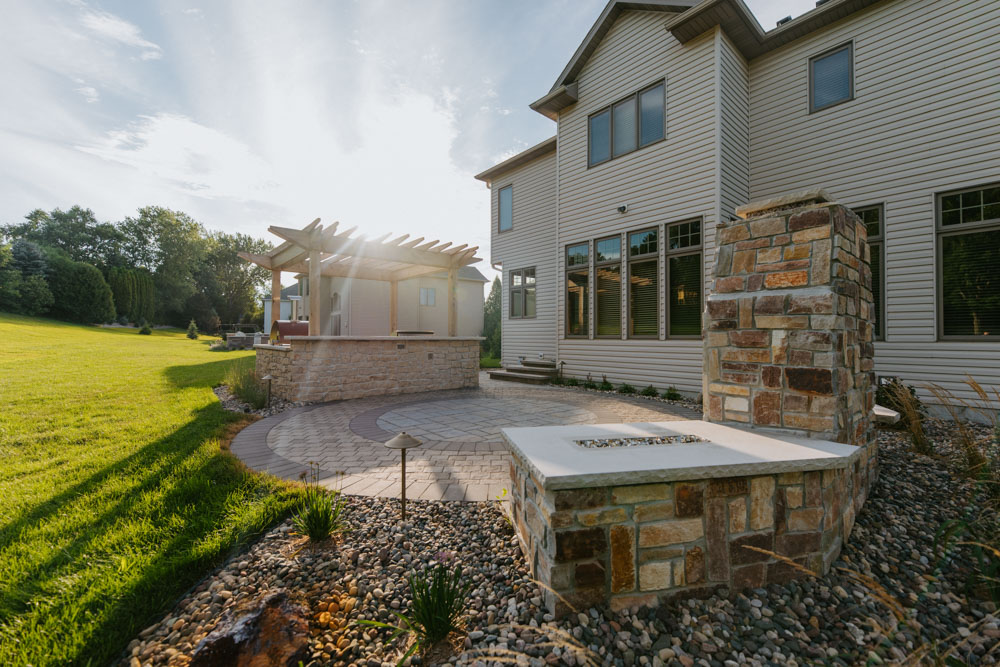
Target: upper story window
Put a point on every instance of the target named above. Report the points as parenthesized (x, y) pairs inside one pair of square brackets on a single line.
[(968, 230), (831, 77), (873, 216), (577, 296), (631, 123), (428, 296), (505, 205)]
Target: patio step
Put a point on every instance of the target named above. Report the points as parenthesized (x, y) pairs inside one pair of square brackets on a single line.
[(540, 363), (511, 376), (547, 371)]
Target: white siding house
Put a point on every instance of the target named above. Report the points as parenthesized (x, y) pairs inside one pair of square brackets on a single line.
[(745, 120)]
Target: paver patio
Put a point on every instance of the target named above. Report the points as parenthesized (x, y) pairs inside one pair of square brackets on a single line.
[(463, 456)]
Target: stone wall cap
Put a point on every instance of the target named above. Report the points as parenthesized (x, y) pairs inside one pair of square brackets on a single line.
[(267, 346), (787, 201), (395, 338), (553, 456)]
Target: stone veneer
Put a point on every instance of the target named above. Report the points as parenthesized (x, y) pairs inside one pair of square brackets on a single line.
[(632, 545), (788, 348), (788, 327), (329, 368)]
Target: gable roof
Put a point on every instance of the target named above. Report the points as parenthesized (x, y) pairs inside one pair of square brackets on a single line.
[(522, 158), (740, 25)]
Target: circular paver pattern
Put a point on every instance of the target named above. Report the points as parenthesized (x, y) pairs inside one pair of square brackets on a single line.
[(462, 456)]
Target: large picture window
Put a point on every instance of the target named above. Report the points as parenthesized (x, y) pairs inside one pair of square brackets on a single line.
[(505, 204), (577, 293), (873, 216), (643, 281), (968, 257), (629, 124), (522, 293), (608, 286), (684, 279)]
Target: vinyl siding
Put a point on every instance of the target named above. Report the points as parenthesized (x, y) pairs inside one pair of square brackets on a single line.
[(670, 181), (531, 242), (925, 119)]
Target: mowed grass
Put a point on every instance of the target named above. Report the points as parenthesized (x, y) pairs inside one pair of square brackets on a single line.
[(115, 495)]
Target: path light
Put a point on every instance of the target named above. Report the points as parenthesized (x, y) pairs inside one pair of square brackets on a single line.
[(268, 378), (402, 442)]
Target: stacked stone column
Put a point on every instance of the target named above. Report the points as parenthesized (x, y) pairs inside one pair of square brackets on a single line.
[(789, 323)]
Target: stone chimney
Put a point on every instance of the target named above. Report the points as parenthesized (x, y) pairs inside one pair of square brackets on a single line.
[(789, 322)]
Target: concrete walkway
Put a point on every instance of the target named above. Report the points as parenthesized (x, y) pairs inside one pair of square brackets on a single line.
[(463, 456)]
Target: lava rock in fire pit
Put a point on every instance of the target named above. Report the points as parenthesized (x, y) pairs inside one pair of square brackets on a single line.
[(601, 443)]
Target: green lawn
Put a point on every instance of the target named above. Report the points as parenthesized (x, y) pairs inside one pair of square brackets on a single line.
[(115, 496)]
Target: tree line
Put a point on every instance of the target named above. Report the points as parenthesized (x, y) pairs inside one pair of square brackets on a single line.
[(159, 266)]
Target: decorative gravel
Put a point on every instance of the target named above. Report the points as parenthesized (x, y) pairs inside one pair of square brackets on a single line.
[(602, 443), (837, 619), (232, 403)]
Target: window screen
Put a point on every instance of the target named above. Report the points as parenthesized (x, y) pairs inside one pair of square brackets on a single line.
[(625, 126), (506, 205), (600, 137), (651, 115), (830, 78)]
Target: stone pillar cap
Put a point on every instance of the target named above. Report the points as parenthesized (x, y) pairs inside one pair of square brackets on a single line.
[(791, 200)]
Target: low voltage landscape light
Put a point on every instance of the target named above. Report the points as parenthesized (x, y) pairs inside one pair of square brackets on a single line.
[(402, 442)]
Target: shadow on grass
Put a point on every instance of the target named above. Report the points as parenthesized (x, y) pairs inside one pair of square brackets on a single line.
[(208, 374), (205, 513)]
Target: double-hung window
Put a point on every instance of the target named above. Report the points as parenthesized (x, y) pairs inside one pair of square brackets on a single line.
[(522, 293), (577, 292), (629, 124), (968, 228), (831, 78), (505, 208), (684, 279), (608, 286), (873, 216), (643, 284)]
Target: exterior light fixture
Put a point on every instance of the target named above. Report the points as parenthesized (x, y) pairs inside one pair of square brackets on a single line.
[(402, 442), (680, 294)]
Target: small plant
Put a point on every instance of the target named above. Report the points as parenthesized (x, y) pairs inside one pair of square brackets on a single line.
[(671, 394), (557, 380), (321, 513), (572, 382), (242, 381), (605, 385), (983, 541), (888, 394), (145, 330), (626, 388), (192, 331), (912, 413), (589, 382), (438, 602), (218, 346), (650, 391), (501, 499)]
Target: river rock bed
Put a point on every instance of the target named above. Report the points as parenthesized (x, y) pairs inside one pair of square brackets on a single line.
[(232, 403), (835, 619)]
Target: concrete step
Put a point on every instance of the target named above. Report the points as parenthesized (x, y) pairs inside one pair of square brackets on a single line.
[(526, 378), (532, 370), (539, 363)]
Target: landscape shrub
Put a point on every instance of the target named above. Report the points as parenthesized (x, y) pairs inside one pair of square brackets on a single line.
[(605, 385), (626, 388), (241, 378), (436, 609), (192, 331), (321, 512), (145, 330), (671, 394), (572, 382), (79, 291), (589, 382), (650, 391), (911, 411)]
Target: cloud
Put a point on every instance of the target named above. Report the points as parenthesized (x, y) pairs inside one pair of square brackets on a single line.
[(117, 29), (89, 93)]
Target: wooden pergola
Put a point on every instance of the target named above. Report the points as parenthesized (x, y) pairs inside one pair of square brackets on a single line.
[(317, 251)]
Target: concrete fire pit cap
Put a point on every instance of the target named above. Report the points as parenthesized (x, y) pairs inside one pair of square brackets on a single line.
[(556, 460)]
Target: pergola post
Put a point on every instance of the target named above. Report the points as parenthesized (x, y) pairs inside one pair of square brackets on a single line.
[(452, 302), (393, 306), (314, 273), (275, 298)]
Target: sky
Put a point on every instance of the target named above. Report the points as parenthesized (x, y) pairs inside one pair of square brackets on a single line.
[(250, 113)]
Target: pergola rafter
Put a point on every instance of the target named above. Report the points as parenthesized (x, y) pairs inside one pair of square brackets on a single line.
[(317, 251)]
